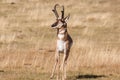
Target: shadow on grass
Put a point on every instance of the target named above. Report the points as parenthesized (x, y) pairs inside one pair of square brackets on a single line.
[(89, 76)]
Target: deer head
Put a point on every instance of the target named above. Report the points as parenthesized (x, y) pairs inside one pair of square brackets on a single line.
[(60, 21)]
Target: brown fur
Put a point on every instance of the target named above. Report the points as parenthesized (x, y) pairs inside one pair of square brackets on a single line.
[(64, 43)]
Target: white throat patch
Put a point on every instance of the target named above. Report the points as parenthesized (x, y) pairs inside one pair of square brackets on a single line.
[(62, 31), (60, 36)]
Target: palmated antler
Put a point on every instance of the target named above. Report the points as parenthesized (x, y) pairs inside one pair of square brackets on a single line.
[(55, 11)]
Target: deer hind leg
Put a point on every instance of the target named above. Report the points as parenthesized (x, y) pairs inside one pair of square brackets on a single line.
[(64, 63)]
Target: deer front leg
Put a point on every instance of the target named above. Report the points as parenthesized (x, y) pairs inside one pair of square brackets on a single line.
[(52, 75), (58, 68), (55, 65), (64, 63)]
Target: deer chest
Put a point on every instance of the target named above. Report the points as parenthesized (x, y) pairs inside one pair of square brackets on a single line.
[(60, 45), (61, 36)]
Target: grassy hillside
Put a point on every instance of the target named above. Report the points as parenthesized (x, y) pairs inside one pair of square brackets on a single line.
[(27, 42)]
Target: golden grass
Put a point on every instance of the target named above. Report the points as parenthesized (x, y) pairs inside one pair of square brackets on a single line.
[(28, 42)]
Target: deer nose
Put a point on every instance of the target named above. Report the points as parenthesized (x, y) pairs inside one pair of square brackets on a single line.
[(53, 25)]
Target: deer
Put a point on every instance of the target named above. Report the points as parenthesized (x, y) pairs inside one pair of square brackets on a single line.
[(64, 43)]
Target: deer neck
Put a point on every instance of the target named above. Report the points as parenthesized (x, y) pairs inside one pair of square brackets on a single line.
[(62, 33)]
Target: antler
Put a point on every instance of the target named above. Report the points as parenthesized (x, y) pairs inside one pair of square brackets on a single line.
[(55, 11), (62, 16)]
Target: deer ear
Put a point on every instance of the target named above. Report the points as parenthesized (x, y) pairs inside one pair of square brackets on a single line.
[(67, 18)]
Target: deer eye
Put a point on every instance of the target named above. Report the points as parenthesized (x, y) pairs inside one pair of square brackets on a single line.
[(63, 21)]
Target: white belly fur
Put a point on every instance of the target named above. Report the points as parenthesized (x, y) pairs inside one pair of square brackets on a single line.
[(60, 45)]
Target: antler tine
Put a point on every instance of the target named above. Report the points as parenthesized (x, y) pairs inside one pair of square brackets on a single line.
[(62, 12), (55, 11)]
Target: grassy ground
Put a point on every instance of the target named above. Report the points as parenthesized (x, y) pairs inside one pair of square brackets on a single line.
[(29, 73), (27, 42)]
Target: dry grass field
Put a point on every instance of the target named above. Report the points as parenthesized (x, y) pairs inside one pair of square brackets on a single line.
[(27, 42)]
